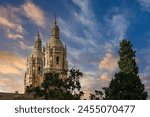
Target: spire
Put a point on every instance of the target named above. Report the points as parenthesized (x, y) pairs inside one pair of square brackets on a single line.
[(38, 38), (38, 34), (55, 29), (55, 21), (38, 42)]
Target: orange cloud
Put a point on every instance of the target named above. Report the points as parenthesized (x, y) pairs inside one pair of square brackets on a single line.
[(109, 62), (5, 22), (38, 16), (108, 66), (10, 84), (12, 69), (90, 83), (105, 76), (10, 62)]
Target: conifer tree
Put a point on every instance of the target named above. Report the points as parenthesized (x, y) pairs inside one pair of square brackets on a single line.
[(126, 85)]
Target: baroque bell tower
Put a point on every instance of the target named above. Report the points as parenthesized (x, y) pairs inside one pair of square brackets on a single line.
[(55, 53), (34, 75), (52, 58)]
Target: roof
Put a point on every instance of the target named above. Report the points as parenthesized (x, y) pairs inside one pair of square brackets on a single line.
[(55, 42)]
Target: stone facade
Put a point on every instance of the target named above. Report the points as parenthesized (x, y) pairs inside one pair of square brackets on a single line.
[(52, 58)]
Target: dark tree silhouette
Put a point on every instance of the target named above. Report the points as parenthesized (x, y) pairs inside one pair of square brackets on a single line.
[(97, 96)]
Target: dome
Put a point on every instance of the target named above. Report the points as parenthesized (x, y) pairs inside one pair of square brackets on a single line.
[(37, 49), (55, 42), (36, 53), (55, 31)]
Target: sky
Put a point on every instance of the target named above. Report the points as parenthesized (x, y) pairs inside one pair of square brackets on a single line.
[(91, 29)]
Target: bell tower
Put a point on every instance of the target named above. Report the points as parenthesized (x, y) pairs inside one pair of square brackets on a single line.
[(55, 53), (34, 73), (52, 58)]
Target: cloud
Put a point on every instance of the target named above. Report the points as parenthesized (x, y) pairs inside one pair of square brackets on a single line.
[(92, 44), (9, 63), (85, 12), (146, 81), (83, 5), (11, 22), (34, 13), (144, 67), (108, 66), (106, 76), (83, 39), (86, 18), (5, 22), (109, 62), (14, 36), (78, 45), (117, 26), (12, 65), (24, 46), (145, 4), (11, 83), (11, 72), (90, 83)]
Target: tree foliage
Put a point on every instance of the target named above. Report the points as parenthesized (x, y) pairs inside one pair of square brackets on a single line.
[(126, 85), (54, 88), (97, 96)]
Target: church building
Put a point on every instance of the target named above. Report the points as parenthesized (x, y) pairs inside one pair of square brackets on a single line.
[(51, 58)]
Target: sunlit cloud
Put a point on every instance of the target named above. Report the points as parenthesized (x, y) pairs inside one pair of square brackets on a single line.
[(5, 22), (108, 66), (12, 72), (109, 62), (106, 76), (34, 13), (14, 36), (90, 83), (10, 83), (10, 63), (11, 22)]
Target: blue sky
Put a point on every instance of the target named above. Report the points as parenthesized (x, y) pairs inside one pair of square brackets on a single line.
[(91, 29)]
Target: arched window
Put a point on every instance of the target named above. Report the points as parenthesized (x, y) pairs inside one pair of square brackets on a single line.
[(57, 60), (39, 69)]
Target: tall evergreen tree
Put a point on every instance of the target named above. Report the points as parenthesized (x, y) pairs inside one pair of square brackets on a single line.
[(127, 62), (126, 85)]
